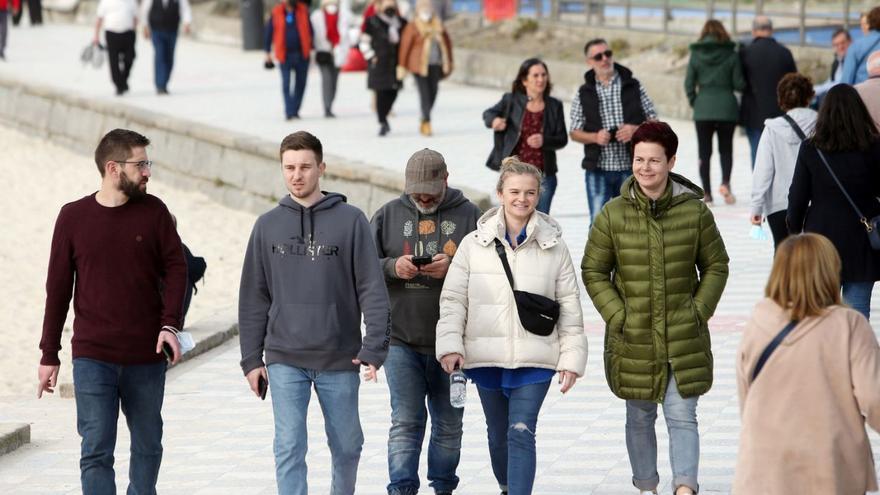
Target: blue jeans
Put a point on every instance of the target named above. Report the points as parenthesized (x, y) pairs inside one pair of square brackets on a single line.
[(338, 395), (754, 135), (684, 439), (100, 388), (412, 377), (858, 295), (511, 424), (163, 45), (300, 67), (603, 185), (548, 189)]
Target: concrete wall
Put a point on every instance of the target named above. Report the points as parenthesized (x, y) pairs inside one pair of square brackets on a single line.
[(239, 171)]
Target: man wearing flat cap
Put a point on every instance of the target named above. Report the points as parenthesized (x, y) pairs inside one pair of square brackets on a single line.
[(416, 236)]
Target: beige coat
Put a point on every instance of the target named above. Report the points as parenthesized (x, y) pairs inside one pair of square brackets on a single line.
[(803, 419), (478, 317), (870, 93)]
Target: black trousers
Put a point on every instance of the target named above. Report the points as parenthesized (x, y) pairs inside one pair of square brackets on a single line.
[(705, 130), (384, 101), (778, 227), (35, 12), (428, 87), (120, 54)]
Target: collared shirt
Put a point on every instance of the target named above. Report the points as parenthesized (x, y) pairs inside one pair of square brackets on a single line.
[(614, 156)]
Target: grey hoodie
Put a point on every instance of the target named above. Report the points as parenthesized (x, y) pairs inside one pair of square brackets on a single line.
[(399, 229), (308, 275)]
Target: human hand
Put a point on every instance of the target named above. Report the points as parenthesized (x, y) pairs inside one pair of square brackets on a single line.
[(567, 379), (437, 268), (756, 219), (535, 140), (404, 267), (253, 379), (452, 361), (499, 124), (146, 31), (48, 376), (603, 137), (625, 133), (167, 337), (187, 29), (401, 72), (369, 373)]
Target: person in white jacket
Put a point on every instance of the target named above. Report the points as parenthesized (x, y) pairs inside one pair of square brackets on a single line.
[(331, 38), (778, 152), (481, 332)]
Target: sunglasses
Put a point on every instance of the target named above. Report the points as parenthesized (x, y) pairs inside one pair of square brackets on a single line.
[(599, 56)]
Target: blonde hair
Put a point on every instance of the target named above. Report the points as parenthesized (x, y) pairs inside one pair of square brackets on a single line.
[(805, 278), (512, 165)]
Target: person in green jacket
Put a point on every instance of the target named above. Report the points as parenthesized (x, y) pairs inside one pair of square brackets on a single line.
[(713, 74), (655, 267)]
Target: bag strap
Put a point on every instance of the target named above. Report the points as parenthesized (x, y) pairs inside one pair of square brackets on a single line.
[(794, 125), (862, 218), (499, 248), (772, 347)]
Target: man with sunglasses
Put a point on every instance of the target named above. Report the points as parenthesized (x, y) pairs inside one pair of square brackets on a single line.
[(118, 253), (605, 113)]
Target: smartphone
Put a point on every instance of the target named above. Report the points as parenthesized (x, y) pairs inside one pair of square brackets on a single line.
[(262, 387), (422, 260), (168, 351)]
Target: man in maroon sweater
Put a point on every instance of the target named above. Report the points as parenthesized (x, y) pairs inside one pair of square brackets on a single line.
[(117, 252)]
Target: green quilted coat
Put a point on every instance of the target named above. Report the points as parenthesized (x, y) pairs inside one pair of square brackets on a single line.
[(655, 270)]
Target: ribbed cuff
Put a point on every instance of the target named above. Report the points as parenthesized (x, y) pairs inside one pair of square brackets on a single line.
[(50, 358)]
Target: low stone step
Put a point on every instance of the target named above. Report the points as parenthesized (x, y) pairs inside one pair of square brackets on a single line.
[(13, 436)]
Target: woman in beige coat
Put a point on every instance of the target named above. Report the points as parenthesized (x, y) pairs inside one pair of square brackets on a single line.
[(480, 328), (803, 415)]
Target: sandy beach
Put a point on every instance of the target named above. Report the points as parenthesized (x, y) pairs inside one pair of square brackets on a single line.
[(39, 178)]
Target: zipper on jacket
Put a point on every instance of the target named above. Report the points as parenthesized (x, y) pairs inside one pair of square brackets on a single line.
[(653, 208)]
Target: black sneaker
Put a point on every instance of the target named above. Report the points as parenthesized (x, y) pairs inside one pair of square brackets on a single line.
[(385, 129)]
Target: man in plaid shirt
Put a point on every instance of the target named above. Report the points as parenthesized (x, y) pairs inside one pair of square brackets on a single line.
[(604, 117)]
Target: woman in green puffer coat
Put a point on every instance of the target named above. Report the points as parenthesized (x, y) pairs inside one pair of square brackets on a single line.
[(655, 267), (713, 74)]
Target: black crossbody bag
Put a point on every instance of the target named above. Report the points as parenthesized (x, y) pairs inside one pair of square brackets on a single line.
[(872, 226), (495, 158), (772, 347), (538, 314)]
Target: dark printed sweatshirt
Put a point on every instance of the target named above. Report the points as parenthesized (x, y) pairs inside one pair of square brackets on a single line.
[(308, 276)]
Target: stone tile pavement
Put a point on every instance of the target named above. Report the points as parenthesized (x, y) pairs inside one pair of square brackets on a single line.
[(218, 437)]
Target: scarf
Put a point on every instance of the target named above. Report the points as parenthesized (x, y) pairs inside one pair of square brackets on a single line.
[(393, 27)]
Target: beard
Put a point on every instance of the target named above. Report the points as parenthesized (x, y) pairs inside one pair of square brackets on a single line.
[(428, 210), (132, 189)]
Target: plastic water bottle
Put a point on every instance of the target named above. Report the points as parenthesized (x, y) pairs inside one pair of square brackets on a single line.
[(457, 389)]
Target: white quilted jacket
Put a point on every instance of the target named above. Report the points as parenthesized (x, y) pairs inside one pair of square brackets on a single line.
[(478, 317)]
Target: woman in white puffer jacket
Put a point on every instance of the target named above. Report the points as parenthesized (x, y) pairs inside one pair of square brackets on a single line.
[(480, 330)]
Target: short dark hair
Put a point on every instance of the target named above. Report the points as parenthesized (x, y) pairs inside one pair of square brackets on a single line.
[(794, 91), (523, 72), (117, 145), (302, 140), (842, 31), (593, 42), (657, 132), (874, 18), (843, 123)]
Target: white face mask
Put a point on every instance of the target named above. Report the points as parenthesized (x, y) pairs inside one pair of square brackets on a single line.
[(331, 8), (425, 16)]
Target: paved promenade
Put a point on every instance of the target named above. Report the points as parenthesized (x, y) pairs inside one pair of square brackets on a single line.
[(218, 436)]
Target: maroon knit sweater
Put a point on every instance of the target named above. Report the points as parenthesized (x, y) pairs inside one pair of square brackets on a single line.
[(125, 268)]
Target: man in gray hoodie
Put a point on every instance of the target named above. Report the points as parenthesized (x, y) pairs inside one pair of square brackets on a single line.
[(309, 273), (416, 236)]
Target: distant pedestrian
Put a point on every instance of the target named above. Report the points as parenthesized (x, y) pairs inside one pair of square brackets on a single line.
[(531, 124), (118, 18), (289, 32), (713, 74), (803, 416), (162, 19), (4, 22), (605, 113), (778, 153), (846, 135), (481, 327), (417, 236), (840, 42), (764, 62), (655, 267), (869, 90), (331, 24), (380, 44), (855, 64), (310, 276), (426, 51)]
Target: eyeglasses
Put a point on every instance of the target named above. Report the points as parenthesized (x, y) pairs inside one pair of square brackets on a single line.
[(606, 54), (141, 165)]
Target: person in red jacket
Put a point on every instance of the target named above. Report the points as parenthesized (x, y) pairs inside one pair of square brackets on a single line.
[(4, 23), (289, 30), (118, 254)]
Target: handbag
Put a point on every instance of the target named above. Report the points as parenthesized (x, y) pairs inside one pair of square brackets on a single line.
[(538, 314), (762, 360), (495, 158), (872, 226), (324, 58)]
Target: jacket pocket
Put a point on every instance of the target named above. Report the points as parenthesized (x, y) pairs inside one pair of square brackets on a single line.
[(304, 327)]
